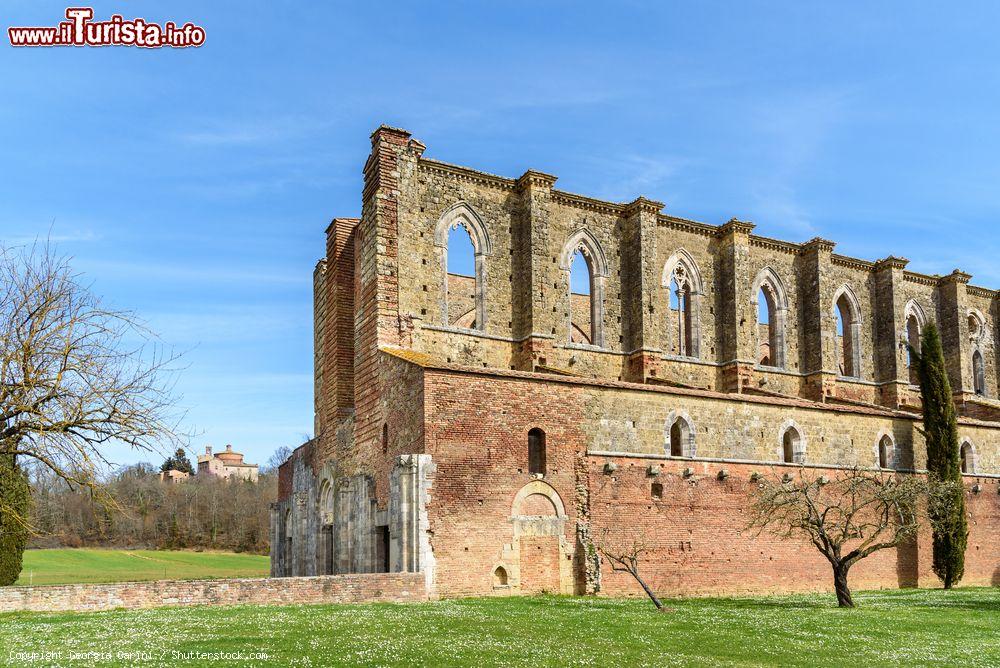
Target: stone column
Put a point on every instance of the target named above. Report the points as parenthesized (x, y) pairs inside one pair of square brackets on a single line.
[(274, 529), (818, 327), (410, 486), (889, 315), (736, 321), (640, 280), (532, 270), (953, 323)]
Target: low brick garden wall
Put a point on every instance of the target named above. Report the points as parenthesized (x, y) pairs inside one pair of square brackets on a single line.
[(361, 588)]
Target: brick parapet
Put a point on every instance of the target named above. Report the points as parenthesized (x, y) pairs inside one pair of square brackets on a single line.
[(359, 588)]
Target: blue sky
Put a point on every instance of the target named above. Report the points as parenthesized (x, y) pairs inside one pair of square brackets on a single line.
[(194, 185)]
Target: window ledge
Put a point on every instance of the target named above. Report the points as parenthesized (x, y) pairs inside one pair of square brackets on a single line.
[(587, 346)]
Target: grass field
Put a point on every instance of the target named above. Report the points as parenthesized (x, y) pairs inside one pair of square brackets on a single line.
[(87, 565), (899, 628)]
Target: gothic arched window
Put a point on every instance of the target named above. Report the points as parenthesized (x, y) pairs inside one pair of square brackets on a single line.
[(847, 314), (464, 244), (583, 259), (683, 280), (771, 307)]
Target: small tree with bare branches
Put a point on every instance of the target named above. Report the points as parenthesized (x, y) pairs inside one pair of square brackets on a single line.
[(75, 375), (623, 555), (847, 518)]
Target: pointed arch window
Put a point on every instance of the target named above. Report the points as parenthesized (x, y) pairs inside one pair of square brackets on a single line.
[(585, 270), (914, 330), (581, 308), (968, 453), (771, 307), (979, 373), (847, 315), (680, 436), (683, 281), (464, 244)]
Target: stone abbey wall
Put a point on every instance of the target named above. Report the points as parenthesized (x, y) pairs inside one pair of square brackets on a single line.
[(430, 386), (524, 230)]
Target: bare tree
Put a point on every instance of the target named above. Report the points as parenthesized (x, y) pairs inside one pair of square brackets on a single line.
[(846, 518), (623, 555), (277, 458), (75, 375)]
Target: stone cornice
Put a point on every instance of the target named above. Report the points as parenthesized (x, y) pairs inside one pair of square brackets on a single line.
[(956, 276), (686, 225), (852, 263), (736, 226), (465, 174), (819, 244), (922, 279), (891, 262), (775, 245), (535, 178), (588, 203), (641, 204), (977, 291)]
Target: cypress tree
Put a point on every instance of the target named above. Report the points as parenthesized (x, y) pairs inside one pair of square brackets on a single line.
[(14, 499), (951, 529)]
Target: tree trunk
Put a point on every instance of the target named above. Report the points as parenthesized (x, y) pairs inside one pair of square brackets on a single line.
[(844, 599), (649, 592)]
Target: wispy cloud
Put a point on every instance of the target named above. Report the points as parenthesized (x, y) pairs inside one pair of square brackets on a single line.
[(628, 177), (20, 239), (794, 131), (180, 273), (237, 132), (228, 324)]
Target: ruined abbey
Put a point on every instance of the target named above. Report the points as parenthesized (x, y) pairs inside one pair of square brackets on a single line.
[(483, 427)]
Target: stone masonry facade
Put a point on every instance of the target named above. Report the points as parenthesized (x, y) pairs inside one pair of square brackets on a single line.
[(483, 431)]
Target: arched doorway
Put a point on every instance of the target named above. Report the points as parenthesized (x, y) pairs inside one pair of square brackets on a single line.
[(539, 518)]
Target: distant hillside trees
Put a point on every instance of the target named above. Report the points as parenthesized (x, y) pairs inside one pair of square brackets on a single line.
[(199, 513)]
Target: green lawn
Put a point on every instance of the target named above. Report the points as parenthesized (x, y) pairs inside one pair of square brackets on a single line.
[(87, 565), (903, 628)]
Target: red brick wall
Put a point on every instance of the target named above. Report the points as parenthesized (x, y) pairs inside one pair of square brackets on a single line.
[(401, 402), (376, 299), (339, 359), (982, 557), (539, 564), (697, 539), (477, 434), (304, 451)]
